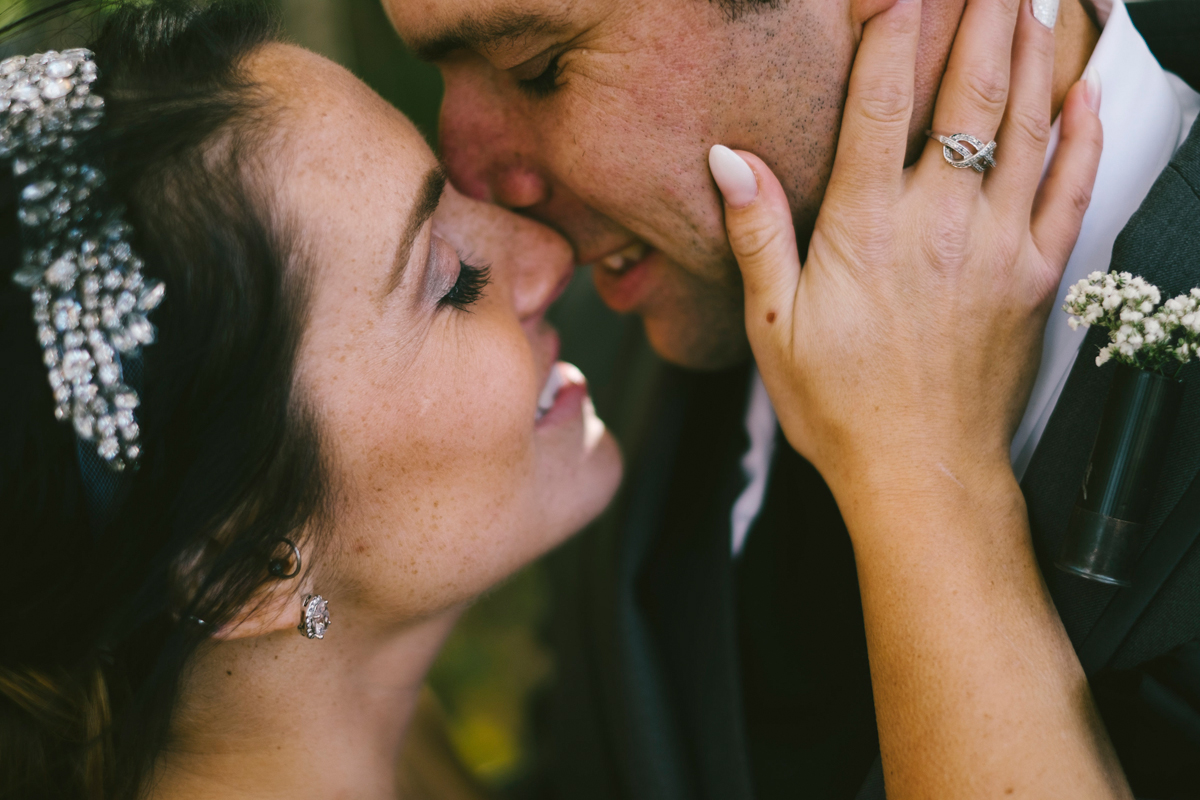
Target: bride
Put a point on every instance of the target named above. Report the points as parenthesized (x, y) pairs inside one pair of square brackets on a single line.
[(352, 415), (278, 402)]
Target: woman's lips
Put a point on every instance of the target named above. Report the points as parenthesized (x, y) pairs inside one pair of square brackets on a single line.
[(562, 395)]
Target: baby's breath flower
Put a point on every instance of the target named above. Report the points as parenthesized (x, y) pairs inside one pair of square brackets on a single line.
[(1144, 332)]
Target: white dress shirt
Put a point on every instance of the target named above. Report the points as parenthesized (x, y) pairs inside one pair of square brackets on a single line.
[(1147, 113)]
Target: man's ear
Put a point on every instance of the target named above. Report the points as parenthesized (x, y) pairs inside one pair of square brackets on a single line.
[(277, 606)]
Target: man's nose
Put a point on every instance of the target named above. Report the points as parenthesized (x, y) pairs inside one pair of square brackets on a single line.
[(518, 186), (488, 154)]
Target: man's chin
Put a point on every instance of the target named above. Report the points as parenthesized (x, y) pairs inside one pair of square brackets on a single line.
[(690, 321), (698, 345)]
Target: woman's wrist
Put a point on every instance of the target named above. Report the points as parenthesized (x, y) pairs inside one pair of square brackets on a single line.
[(929, 493)]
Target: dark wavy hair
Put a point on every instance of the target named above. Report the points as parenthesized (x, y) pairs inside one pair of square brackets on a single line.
[(100, 614)]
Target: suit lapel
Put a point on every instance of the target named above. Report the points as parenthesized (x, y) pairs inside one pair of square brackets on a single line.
[(685, 587), (1056, 472), (641, 731), (658, 622), (1160, 244)]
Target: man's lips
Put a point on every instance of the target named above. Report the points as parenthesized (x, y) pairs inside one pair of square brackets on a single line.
[(622, 278), (624, 258)]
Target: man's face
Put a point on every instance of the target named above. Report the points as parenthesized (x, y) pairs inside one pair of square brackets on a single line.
[(596, 116)]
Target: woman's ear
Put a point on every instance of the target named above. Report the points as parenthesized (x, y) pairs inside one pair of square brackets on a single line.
[(277, 606)]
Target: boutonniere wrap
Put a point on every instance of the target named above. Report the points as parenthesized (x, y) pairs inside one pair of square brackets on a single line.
[(1150, 341)]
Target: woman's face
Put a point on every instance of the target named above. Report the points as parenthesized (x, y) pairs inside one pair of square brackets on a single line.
[(426, 381)]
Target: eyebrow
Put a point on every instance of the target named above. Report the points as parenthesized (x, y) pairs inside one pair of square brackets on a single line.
[(427, 202), (482, 34)]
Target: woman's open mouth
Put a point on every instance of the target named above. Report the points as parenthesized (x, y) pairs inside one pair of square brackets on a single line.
[(562, 395)]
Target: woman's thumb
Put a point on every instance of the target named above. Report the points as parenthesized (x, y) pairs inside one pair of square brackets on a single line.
[(759, 223)]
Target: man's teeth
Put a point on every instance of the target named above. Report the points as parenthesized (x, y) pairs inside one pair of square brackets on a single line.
[(549, 392), (624, 259)]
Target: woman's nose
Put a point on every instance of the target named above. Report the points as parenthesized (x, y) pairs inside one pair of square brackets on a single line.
[(530, 262), (542, 267)]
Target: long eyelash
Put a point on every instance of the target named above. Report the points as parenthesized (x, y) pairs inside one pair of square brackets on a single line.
[(468, 287), (545, 84)]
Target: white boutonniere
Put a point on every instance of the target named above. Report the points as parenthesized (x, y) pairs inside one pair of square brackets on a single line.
[(1142, 334), (1150, 341)]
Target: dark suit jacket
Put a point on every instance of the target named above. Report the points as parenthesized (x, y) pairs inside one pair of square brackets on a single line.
[(648, 699)]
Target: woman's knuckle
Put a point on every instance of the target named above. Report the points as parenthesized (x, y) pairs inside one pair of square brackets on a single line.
[(1080, 197), (987, 90), (755, 240), (1031, 125), (884, 104), (941, 248)]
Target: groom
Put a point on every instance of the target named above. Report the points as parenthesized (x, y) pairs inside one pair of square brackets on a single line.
[(710, 636)]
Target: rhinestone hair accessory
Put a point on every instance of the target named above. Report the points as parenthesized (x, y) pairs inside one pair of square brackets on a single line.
[(89, 297)]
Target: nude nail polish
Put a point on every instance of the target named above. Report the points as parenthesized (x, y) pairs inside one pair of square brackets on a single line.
[(1093, 89), (734, 177), (1046, 12)]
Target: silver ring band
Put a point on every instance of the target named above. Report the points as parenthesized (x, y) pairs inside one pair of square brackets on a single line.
[(981, 157)]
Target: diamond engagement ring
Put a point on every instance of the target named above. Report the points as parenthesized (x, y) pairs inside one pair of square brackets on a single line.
[(959, 156)]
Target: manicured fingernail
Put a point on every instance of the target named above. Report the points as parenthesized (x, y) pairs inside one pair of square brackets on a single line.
[(1046, 12), (1093, 90), (734, 177)]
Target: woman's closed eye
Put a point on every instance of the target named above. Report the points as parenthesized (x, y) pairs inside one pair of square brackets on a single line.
[(468, 287)]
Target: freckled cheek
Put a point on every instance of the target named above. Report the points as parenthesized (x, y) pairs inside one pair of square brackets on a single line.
[(459, 421), (444, 519)]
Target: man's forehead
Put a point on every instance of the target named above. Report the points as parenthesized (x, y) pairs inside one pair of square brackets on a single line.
[(435, 29)]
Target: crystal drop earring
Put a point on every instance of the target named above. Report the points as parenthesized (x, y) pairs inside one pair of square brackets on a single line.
[(315, 618)]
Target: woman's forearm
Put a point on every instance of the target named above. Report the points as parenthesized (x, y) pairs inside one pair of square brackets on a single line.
[(978, 692)]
